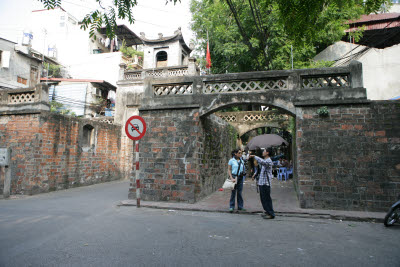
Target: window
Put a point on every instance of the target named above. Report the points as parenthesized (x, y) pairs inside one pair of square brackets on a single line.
[(62, 17), (34, 76), (162, 59), (88, 135), (22, 80), (5, 59), (62, 24)]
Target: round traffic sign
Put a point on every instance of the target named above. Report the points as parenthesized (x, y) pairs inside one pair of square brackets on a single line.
[(135, 127)]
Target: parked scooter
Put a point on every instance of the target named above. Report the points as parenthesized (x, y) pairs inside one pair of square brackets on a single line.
[(393, 216)]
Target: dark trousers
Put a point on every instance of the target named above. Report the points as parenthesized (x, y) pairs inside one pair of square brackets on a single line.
[(237, 191), (266, 201)]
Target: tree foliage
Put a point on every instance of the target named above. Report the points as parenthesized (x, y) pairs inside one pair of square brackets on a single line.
[(258, 34)]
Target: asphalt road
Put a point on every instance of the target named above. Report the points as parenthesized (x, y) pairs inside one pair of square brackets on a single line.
[(84, 227)]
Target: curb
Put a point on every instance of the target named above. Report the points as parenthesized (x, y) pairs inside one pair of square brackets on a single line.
[(299, 214)]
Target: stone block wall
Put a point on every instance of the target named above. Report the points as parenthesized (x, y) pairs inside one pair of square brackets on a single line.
[(169, 155), (351, 159), (176, 150), (218, 141), (48, 152)]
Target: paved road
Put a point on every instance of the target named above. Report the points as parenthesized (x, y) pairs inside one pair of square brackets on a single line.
[(84, 227)]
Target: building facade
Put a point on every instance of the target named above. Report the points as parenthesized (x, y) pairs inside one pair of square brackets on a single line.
[(20, 66)]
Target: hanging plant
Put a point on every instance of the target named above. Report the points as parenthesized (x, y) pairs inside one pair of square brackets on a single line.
[(323, 111)]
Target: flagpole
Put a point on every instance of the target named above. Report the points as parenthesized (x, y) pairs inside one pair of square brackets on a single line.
[(208, 56), (208, 43)]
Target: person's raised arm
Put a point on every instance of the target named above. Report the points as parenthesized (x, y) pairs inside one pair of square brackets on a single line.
[(264, 162)]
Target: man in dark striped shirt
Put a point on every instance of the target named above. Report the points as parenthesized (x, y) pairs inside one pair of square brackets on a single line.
[(264, 183)]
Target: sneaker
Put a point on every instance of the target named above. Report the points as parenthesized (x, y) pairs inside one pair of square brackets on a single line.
[(269, 217), (242, 209), (230, 210)]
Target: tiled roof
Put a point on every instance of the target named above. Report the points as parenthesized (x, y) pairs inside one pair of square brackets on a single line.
[(375, 17)]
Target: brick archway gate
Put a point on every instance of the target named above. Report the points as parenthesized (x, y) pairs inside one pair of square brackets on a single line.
[(184, 153)]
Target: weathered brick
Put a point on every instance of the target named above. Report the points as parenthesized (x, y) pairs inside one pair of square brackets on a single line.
[(355, 159), (52, 149)]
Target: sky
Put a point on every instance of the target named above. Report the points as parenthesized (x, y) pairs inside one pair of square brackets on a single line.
[(152, 16)]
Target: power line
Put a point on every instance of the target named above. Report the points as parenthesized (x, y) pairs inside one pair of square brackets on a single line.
[(366, 49), (373, 35), (72, 103)]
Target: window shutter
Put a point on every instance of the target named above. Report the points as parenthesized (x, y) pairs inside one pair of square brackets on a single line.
[(5, 59)]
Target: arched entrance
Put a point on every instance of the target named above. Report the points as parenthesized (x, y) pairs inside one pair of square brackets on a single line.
[(263, 118), (186, 141)]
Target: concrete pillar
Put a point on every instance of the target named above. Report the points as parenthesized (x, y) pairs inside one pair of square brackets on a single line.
[(294, 81), (356, 75), (192, 68), (5, 161), (7, 182), (122, 68), (42, 92)]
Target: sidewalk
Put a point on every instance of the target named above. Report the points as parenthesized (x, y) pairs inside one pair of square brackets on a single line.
[(283, 197)]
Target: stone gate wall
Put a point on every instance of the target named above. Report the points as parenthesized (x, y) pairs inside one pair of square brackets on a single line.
[(218, 141), (182, 158), (351, 159), (48, 152)]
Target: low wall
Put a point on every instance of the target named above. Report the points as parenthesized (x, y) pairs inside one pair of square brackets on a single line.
[(182, 158), (52, 151), (351, 159)]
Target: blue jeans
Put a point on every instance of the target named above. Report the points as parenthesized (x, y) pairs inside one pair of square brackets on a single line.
[(266, 201), (238, 190)]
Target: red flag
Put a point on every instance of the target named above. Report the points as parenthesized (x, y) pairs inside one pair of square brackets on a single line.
[(208, 57)]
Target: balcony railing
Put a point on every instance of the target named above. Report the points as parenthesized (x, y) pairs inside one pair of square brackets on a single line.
[(173, 71), (156, 73), (25, 98)]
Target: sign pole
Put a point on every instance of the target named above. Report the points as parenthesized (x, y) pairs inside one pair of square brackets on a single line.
[(135, 128), (137, 173)]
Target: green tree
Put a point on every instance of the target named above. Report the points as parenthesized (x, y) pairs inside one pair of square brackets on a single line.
[(60, 108), (258, 34), (54, 71)]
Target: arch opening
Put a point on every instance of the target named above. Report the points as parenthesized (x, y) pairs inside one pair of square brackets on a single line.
[(283, 189), (161, 59)]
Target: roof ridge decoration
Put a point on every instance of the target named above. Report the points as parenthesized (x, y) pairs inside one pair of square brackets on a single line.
[(163, 39)]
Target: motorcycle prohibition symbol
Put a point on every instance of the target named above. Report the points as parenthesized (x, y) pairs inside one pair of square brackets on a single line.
[(393, 215)]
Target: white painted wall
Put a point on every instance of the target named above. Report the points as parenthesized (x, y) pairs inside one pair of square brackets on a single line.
[(173, 49), (74, 47), (59, 28), (72, 95), (381, 68), (97, 66), (16, 65)]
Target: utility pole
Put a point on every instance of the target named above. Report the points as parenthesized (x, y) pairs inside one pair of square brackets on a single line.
[(44, 49), (291, 52)]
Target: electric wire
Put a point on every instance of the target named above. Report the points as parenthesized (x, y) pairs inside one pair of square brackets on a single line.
[(373, 35), (366, 49)]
